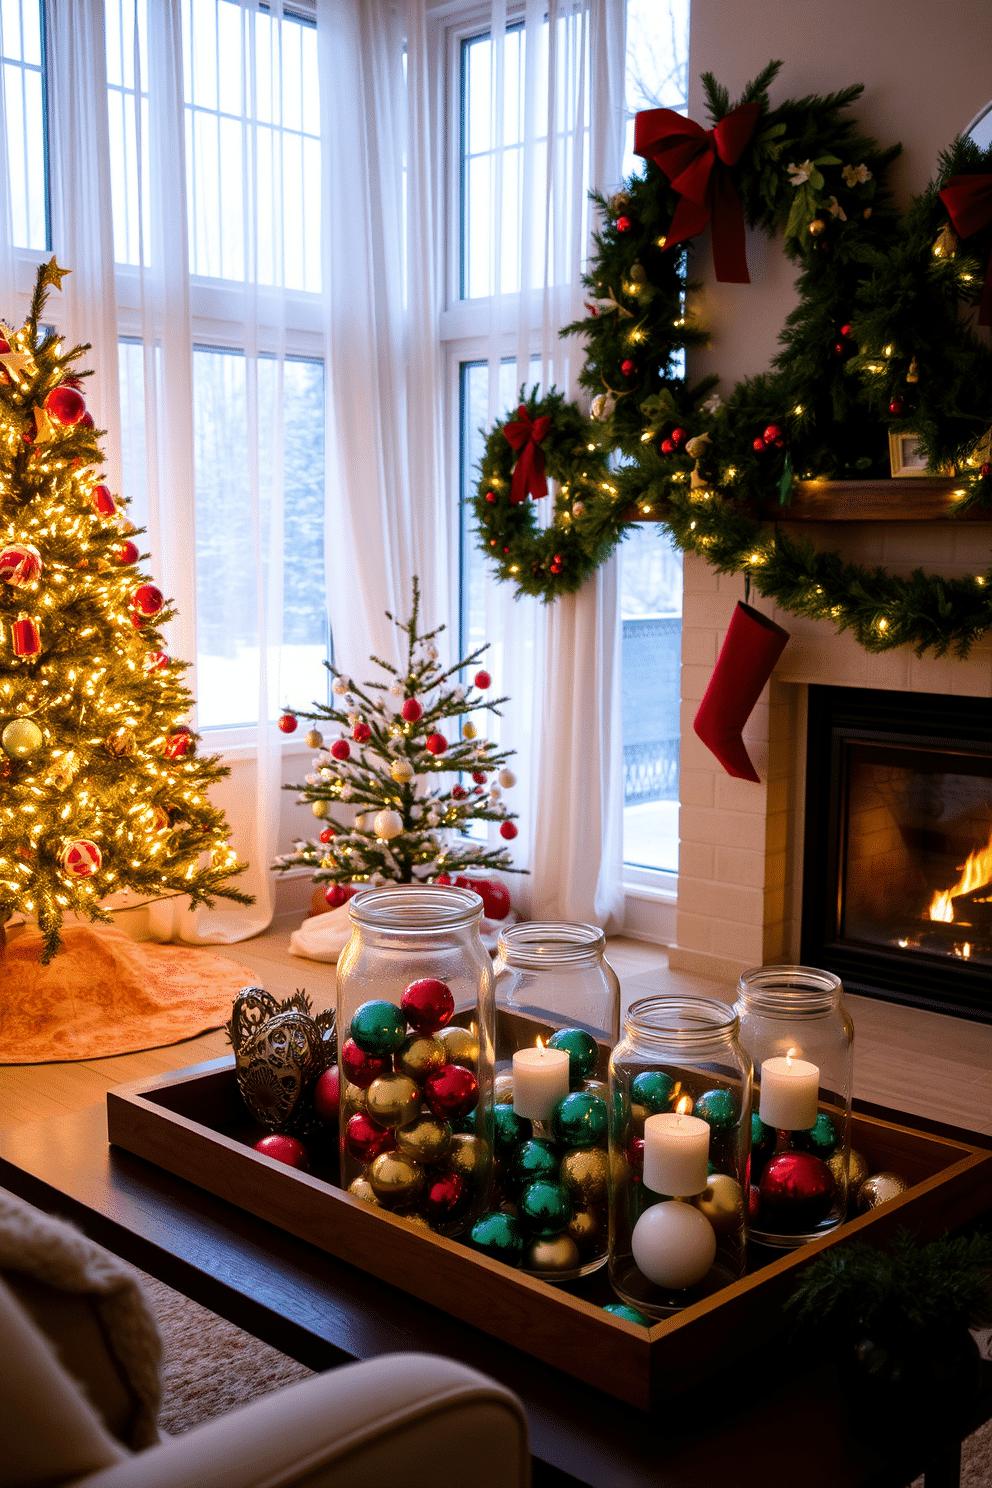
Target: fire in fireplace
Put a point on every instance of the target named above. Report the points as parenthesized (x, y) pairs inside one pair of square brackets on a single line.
[(897, 893)]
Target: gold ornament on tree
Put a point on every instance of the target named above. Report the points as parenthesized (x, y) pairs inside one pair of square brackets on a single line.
[(947, 242)]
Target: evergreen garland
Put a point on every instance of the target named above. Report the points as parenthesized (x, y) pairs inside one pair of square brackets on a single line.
[(879, 342)]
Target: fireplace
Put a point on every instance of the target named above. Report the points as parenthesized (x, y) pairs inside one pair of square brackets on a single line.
[(897, 882)]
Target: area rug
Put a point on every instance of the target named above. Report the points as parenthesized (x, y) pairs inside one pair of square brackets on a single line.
[(105, 994)]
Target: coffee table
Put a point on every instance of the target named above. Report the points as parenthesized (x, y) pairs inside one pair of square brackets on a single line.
[(778, 1420)]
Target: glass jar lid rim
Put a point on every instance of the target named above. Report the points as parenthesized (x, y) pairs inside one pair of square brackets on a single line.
[(701, 1017), (538, 941), (415, 907), (787, 987)]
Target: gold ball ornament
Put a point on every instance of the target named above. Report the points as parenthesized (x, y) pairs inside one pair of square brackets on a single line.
[(557, 1253), (314, 739), (879, 1189), (121, 743), (585, 1173), (506, 778), (395, 1179), (21, 738), (817, 227), (857, 1172), (393, 1100), (587, 1229), (465, 1154), (469, 731), (461, 1045), (319, 809), (503, 1090), (361, 1188), (723, 1203), (419, 1056), (402, 771), (425, 1140)]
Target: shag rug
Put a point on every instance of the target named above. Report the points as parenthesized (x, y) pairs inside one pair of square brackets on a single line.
[(106, 994), (210, 1366)]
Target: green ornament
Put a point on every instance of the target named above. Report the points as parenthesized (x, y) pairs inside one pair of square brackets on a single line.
[(21, 738), (532, 1160), (378, 1028), (719, 1108), (821, 1139), (762, 1145), (620, 1309), (498, 1236), (654, 1090), (579, 1120), (509, 1130), (582, 1050), (544, 1208)]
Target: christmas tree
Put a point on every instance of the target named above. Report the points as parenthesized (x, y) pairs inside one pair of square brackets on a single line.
[(391, 750), (100, 783)]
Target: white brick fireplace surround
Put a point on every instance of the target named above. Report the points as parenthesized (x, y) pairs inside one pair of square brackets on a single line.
[(740, 860)]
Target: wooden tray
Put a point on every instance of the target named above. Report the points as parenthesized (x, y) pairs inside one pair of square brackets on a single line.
[(194, 1124)]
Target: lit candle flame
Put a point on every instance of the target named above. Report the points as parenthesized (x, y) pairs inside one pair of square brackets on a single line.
[(684, 1106), (540, 1042)]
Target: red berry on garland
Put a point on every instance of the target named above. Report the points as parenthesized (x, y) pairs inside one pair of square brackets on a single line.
[(361, 734), (147, 601), (668, 446), (458, 792), (479, 776), (326, 834), (628, 368), (412, 710), (341, 749), (335, 896), (327, 1095), (508, 831), (127, 554), (284, 1149), (178, 742), (287, 724), (677, 436), (427, 1005), (896, 406), (482, 680), (623, 224), (839, 348), (845, 331), (491, 496), (759, 445), (65, 405), (364, 1140), (102, 501), (361, 1068), (556, 568), (773, 434), (436, 743), (445, 1197), (452, 1092)]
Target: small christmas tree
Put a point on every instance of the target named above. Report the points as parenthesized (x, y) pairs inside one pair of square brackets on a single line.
[(100, 785), (386, 763)]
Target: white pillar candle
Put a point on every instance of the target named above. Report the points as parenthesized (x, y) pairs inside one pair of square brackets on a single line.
[(676, 1154), (673, 1245), (540, 1081), (790, 1089)]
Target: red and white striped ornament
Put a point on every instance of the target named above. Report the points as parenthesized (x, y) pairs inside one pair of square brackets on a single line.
[(155, 661), (80, 858), (179, 742), (20, 563)]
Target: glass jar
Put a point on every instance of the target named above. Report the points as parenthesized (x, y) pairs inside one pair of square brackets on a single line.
[(680, 1124), (554, 984), (799, 1035), (415, 1021)]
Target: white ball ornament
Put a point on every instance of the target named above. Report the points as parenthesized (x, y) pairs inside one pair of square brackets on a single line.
[(339, 686), (674, 1245), (507, 778), (402, 771), (495, 792), (388, 824)]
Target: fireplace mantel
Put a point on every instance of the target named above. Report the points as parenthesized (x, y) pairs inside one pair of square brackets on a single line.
[(909, 499)]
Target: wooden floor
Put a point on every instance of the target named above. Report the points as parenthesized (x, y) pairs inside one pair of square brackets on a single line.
[(914, 1061)]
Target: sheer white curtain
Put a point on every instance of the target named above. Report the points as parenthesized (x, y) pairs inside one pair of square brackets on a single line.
[(560, 662)]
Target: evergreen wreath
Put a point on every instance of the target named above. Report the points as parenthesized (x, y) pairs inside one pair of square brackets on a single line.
[(880, 341)]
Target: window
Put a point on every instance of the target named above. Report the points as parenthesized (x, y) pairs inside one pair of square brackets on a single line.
[(23, 23)]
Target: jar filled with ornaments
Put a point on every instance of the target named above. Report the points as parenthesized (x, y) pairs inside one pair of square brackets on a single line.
[(797, 1031), (680, 1125), (415, 1021)]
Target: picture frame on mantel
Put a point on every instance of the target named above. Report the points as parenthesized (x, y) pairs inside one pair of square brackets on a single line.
[(905, 455)]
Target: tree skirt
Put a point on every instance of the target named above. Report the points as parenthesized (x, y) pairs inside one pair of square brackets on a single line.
[(105, 994)]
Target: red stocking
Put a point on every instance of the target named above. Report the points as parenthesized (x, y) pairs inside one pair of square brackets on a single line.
[(752, 646)]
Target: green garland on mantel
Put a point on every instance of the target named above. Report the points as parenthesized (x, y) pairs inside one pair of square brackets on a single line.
[(881, 341)]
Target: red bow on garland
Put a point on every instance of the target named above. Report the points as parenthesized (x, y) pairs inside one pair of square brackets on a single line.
[(696, 162), (968, 199), (525, 434)]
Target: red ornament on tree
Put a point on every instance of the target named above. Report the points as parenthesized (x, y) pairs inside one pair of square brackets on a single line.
[(127, 553), (80, 859), (839, 348), (444, 1197), (284, 1149), (341, 749), (326, 1095), (427, 1005), (508, 831), (155, 661), (335, 894), (361, 1068), (480, 777), (845, 331), (20, 563), (147, 601), (25, 636), (102, 501), (287, 724), (364, 1140), (458, 792), (326, 834), (65, 405), (361, 734), (984, 471), (896, 406), (179, 742), (495, 896), (491, 496), (677, 436), (436, 743), (759, 445), (668, 447), (452, 1092), (627, 367), (86, 422), (773, 434), (482, 680), (411, 710), (623, 224)]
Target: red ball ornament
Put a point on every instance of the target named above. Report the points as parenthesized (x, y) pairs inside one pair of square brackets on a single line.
[(627, 367), (327, 1095), (155, 661), (773, 434), (436, 743), (508, 830), (427, 1005), (361, 1068), (65, 405), (102, 501), (839, 348), (127, 553), (86, 422), (284, 1149), (335, 895), (759, 445), (341, 749), (443, 878), (361, 734), (80, 859), (482, 680), (677, 436), (668, 446), (458, 792), (452, 1092), (147, 601), (444, 1197), (19, 564), (480, 777), (411, 710), (845, 331), (287, 724), (623, 224), (984, 471), (491, 496), (495, 896), (635, 1156), (179, 742), (364, 1140), (797, 1191), (896, 406), (326, 834)]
